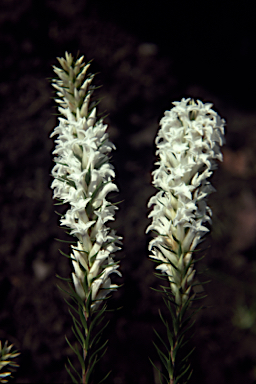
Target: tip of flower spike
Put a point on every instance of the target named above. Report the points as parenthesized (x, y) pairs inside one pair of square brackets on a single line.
[(72, 85)]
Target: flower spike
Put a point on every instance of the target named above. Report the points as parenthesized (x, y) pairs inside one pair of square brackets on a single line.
[(188, 145), (83, 177)]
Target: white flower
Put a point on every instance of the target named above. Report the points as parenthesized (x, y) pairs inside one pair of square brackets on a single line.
[(188, 145), (83, 177)]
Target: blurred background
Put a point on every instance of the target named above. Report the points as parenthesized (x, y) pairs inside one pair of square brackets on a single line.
[(146, 54)]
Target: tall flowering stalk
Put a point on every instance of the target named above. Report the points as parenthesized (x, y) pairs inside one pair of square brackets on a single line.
[(188, 145), (83, 177)]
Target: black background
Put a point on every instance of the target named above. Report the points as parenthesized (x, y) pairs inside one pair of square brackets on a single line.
[(146, 55)]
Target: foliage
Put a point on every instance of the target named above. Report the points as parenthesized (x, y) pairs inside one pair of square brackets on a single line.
[(6, 361)]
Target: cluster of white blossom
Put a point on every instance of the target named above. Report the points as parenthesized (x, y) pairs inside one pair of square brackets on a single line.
[(83, 177), (188, 145)]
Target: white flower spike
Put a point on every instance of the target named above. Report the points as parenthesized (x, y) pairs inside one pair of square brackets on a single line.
[(83, 177), (188, 145)]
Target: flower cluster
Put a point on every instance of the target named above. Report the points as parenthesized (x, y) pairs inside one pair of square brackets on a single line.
[(83, 177), (7, 362), (188, 145)]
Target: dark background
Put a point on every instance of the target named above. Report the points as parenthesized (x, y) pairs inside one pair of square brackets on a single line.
[(147, 55)]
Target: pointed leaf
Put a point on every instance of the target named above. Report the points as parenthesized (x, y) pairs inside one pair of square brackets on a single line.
[(70, 374), (72, 366), (167, 349)]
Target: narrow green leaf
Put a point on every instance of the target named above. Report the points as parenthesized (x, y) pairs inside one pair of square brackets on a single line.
[(71, 346), (161, 317), (199, 283), (177, 347), (70, 305), (82, 318), (181, 375), (162, 356), (70, 374), (58, 213), (156, 290), (65, 241), (75, 295), (90, 370), (161, 276), (77, 336), (81, 338), (95, 353), (167, 349), (159, 371), (95, 337), (98, 315), (63, 278), (105, 377), (65, 254), (96, 320), (184, 309), (88, 303), (80, 358), (95, 361), (78, 374), (170, 336), (76, 351), (199, 297), (63, 290), (187, 356)]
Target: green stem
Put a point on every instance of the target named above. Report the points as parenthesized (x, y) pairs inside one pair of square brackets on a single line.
[(176, 332), (84, 374)]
